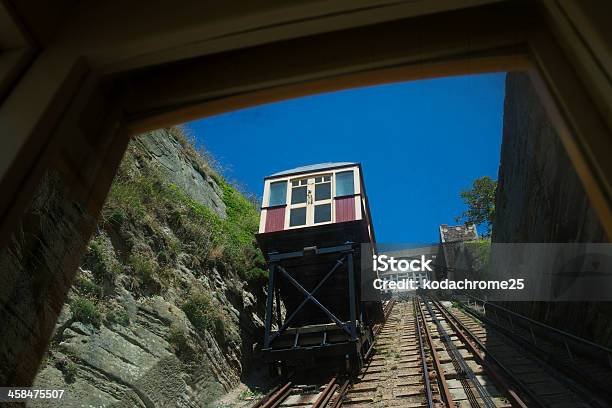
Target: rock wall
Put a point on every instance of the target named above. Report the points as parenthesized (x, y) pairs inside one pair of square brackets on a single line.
[(182, 169), (33, 292), (167, 305), (541, 199)]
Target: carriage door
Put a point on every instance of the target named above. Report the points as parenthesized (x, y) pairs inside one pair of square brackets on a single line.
[(311, 201)]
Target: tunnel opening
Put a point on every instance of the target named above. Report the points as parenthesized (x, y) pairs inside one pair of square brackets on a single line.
[(170, 220)]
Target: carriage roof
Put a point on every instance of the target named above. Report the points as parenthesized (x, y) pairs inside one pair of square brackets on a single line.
[(312, 168)]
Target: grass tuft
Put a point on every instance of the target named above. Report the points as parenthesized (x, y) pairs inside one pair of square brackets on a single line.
[(206, 314), (101, 260), (85, 311), (118, 316)]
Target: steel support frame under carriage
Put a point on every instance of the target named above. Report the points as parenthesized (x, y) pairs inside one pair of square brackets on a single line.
[(276, 270)]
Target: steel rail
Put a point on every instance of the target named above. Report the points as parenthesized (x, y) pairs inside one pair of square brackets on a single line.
[(266, 397), (342, 391), (425, 369), (326, 394), (280, 393), (463, 366), (274, 398), (448, 398), (387, 309), (473, 343)]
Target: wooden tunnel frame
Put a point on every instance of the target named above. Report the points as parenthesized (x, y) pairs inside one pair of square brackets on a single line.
[(100, 110), (65, 107)]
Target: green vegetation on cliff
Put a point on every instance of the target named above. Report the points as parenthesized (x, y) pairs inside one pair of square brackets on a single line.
[(83, 310), (144, 197)]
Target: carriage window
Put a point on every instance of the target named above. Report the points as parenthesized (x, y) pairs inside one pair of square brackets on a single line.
[(298, 194), (297, 217), (296, 183), (345, 184), (322, 213), (322, 188), (278, 193)]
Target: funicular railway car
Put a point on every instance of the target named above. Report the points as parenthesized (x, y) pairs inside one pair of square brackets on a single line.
[(314, 220)]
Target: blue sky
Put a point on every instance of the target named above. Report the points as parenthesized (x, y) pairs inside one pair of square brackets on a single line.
[(420, 143)]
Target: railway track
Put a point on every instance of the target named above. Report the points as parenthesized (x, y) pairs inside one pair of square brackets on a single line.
[(328, 395), (589, 363), (470, 385), (427, 357), (413, 347), (540, 384), (405, 371), (428, 354)]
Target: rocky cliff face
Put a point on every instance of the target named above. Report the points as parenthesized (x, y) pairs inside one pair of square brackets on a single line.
[(541, 199), (539, 193), (166, 308)]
